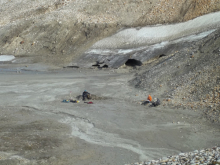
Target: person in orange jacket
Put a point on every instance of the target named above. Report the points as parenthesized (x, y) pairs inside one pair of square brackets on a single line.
[(149, 98)]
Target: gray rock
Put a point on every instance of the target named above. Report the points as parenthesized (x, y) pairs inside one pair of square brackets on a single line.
[(181, 154)]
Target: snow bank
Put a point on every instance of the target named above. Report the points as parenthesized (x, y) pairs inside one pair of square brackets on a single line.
[(155, 34), (159, 45), (6, 57)]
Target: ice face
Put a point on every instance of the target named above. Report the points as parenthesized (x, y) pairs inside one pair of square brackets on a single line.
[(156, 34), (152, 47)]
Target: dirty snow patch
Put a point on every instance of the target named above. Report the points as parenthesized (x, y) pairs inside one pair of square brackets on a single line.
[(155, 34), (6, 57)]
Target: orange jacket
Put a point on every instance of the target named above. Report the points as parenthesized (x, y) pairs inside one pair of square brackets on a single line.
[(149, 98)]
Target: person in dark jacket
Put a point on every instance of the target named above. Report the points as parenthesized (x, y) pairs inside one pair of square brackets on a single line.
[(154, 104), (85, 95)]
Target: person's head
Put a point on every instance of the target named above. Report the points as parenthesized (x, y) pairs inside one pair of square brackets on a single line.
[(84, 90)]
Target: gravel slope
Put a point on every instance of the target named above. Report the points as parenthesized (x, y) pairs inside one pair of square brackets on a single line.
[(186, 78)]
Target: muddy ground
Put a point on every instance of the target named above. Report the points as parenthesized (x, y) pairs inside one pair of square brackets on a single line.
[(36, 127)]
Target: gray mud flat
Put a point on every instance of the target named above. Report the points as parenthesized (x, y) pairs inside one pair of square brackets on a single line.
[(37, 128)]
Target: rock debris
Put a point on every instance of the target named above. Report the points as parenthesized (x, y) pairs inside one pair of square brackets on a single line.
[(205, 156)]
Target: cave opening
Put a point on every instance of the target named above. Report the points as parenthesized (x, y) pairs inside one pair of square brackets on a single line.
[(133, 62), (162, 55), (105, 66)]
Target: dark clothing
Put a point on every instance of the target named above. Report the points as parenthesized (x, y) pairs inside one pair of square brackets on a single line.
[(146, 102), (85, 95), (154, 104)]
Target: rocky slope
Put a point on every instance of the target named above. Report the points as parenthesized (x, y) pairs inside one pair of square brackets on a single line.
[(205, 156), (58, 32), (187, 78)]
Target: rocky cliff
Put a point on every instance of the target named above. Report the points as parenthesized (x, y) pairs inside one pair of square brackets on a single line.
[(60, 31)]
